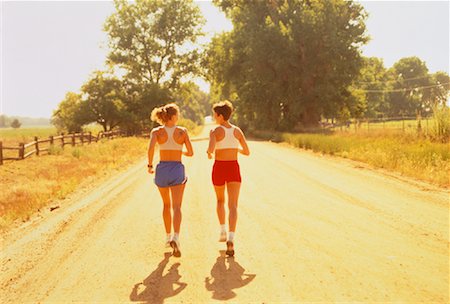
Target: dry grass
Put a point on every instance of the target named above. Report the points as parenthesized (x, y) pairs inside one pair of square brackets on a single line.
[(29, 185), (405, 153)]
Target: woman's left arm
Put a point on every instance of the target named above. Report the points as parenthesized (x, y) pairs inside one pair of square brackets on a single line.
[(241, 137), (187, 142)]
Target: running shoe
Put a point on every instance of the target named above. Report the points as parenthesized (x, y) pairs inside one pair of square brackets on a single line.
[(230, 248), (175, 244)]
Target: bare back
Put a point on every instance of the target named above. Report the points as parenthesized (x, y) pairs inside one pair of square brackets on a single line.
[(179, 136), (226, 154)]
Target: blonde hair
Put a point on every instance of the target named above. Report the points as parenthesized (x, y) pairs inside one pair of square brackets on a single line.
[(163, 114)]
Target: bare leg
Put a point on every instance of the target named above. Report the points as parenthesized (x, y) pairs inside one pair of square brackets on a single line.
[(220, 194), (233, 196), (177, 198), (167, 217)]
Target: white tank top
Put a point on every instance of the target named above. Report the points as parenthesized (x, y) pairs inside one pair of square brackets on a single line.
[(170, 143), (229, 141)]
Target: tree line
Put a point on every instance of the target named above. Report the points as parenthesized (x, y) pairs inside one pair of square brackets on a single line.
[(286, 65)]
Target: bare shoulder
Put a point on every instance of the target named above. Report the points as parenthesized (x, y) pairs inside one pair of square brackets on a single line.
[(157, 131), (182, 129), (218, 131), (238, 132)]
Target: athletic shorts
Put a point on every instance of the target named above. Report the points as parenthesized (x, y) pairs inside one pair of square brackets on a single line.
[(170, 173), (225, 171)]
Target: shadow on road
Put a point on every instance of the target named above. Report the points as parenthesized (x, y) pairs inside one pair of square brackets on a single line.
[(224, 279), (158, 287)]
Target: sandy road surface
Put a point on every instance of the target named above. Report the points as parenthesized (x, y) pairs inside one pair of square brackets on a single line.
[(310, 228)]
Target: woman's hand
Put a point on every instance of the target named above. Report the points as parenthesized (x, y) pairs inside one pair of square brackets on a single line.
[(150, 170), (209, 155)]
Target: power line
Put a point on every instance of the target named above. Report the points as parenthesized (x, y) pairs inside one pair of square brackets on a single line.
[(393, 80), (403, 89)]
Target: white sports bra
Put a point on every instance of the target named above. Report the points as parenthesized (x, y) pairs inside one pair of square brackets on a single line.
[(170, 143), (229, 141)]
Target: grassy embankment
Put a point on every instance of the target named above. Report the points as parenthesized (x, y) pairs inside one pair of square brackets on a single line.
[(29, 185), (401, 152)]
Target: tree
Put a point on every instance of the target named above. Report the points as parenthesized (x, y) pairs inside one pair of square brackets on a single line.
[(440, 94), (193, 103), (15, 123), (287, 62), (369, 89), (149, 39), (71, 114), (2, 121), (407, 76), (103, 96)]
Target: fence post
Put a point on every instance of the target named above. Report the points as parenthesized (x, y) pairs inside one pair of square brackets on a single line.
[(51, 139), (62, 139), (90, 137), (1, 153), (21, 150), (81, 138), (73, 139), (36, 145)]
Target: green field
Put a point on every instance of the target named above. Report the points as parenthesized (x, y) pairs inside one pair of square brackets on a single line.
[(12, 137)]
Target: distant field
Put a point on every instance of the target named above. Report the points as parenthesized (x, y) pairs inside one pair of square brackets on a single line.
[(10, 136), (409, 126)]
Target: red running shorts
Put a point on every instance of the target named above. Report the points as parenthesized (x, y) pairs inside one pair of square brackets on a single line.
[(225, 171)]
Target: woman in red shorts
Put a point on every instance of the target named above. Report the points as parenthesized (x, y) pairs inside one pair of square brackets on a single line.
[(225, 141)]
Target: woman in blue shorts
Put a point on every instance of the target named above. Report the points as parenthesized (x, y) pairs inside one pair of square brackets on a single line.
[(169, 173)]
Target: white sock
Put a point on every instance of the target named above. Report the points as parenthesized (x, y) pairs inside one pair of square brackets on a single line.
[(223, 228), (231, 236), (175, 236)]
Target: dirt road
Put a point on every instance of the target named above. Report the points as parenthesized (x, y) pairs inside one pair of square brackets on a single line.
[(311, 228)]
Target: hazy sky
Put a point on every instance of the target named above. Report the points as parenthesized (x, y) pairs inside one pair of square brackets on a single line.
[(50, 48)]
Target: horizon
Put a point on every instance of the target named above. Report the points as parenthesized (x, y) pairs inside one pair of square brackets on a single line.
[(50, 60)]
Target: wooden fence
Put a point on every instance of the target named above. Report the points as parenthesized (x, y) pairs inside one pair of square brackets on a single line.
[(38, 146)]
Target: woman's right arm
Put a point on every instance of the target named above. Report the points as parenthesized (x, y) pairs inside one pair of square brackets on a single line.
[(151, 150), (212, 144)]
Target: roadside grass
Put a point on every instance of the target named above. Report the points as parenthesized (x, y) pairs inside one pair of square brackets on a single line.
[(30, 185), (405, 153)]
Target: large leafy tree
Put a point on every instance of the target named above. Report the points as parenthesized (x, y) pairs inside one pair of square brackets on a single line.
[(104, 96), (287, 62), (153, 39), (407, 76), (439, 94), (369, 88), (194, 103), (71, 114)]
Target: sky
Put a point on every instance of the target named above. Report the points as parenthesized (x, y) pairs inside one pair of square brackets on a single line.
[(49, 48)]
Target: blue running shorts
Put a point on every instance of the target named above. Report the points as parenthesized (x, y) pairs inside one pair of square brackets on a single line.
[(170, 173)]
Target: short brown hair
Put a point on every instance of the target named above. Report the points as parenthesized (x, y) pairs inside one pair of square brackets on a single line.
[(224, 108), (163, 114)]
